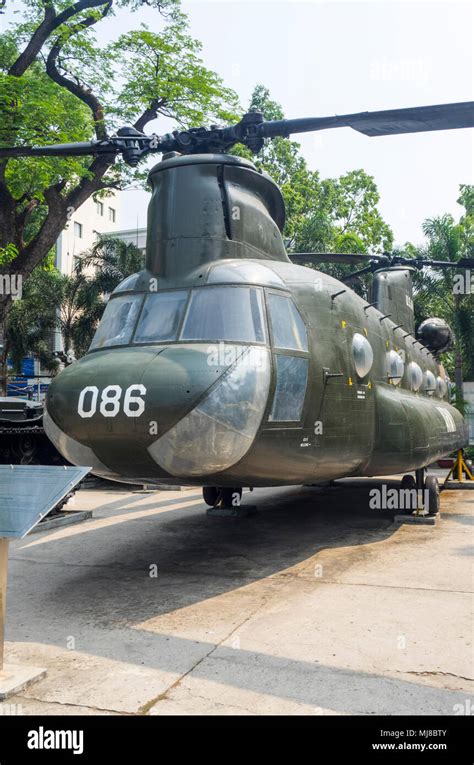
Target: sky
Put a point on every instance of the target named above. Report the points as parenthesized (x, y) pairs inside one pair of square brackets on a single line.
[(324, 58)]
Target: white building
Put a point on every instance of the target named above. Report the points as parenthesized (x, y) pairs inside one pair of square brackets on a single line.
[(136, 236), (92, 218)]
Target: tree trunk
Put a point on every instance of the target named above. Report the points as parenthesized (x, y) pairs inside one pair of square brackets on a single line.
[(5, 304)]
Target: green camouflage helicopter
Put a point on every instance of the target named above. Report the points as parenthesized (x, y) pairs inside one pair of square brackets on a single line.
[(224, 364)]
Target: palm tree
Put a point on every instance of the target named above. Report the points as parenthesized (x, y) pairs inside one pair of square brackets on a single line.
[(98, 272)]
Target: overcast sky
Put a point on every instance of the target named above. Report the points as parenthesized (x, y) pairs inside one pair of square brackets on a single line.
[(322, 58)]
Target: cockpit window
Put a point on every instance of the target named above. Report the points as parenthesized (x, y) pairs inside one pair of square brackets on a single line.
[(118, 321), (288, 327), (290, 392), (161, 317), (225, 313)]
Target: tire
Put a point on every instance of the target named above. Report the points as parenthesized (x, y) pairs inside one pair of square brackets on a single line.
[(408, 482), (210, 495), (432, 487)]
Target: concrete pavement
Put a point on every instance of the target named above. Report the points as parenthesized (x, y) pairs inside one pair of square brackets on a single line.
[(316, 605)]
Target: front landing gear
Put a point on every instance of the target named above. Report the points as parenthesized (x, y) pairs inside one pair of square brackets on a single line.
[(226, 502)]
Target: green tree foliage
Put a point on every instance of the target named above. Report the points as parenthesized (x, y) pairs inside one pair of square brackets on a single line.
[(32, 319)]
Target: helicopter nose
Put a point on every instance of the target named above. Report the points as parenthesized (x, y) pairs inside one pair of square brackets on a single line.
[(220, 429), (189, 409)]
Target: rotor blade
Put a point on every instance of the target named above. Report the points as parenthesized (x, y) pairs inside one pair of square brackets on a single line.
[(462, 263), (465, 263), (59, 150), (418, 119), (334, 257)]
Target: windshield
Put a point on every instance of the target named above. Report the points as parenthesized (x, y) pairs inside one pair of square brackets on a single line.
[(118, 322), (225, 313), (213, 314), (161, 317)]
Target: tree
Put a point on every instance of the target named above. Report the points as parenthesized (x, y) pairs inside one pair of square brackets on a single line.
[(58, 85), (436, 292), (32, 319)]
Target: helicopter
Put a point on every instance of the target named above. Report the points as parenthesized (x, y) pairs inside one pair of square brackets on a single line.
[(226, 364)]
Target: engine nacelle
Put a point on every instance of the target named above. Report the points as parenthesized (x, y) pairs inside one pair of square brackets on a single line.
[(436, 335)]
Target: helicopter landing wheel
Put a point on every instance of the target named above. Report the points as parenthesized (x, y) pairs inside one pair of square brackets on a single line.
[(210, 495), (221, 497), (408, 483), (432, 487)]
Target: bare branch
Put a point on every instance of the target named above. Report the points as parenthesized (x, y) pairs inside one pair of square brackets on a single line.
[(149, 114), (86, 96)]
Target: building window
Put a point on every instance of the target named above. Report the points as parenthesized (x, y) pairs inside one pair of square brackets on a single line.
[(112, 214), (99, 208), (78, 229)]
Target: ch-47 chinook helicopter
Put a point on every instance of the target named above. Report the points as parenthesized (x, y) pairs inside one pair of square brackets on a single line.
[(223, 364)]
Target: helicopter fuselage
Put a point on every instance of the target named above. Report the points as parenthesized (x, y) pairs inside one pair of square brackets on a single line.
[(224, 364), (350, 394)]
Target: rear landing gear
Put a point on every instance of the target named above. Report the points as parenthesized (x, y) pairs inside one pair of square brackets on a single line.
[(432, 487), (428, 491)]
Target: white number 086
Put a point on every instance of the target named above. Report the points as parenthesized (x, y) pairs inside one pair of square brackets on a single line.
[(110, 401)]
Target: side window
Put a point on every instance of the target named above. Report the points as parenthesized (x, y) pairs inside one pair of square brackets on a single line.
[(288, 327), (292, 377), (118, 321)]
